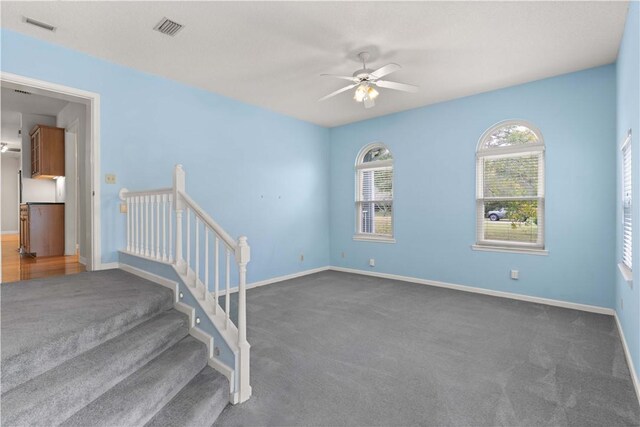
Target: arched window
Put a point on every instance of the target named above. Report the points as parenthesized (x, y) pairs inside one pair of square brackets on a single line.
[(510, 187), (374, 193)]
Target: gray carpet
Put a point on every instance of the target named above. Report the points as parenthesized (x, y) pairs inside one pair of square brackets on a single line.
[(102, 349), (341, 349), (47, 321)]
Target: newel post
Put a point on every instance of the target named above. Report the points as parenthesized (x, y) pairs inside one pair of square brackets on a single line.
[(122, 195), (178, 188), (243, 256)]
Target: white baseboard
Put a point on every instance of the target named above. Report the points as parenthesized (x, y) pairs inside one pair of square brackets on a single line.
[(501, 294), (627, 355), (109, 265), (11, 232), (279, 279)]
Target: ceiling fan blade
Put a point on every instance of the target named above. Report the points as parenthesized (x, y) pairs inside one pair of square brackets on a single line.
[(369, 102), (352, 79), (383, 71), (338, 91), (397, 86)]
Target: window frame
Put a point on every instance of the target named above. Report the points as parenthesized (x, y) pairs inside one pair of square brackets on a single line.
[(537, 148), (358, 167), (626, 268)]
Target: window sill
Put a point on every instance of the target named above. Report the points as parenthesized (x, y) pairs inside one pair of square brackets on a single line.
[(375, 239), (510, 249), (627, 274)]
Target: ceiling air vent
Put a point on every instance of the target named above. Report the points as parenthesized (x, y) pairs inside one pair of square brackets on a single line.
[(43, 25), (24, 92), (168, 27)]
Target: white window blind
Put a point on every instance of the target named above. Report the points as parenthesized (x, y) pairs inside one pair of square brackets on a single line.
[(627, 215), (374, 194), (510, 187)]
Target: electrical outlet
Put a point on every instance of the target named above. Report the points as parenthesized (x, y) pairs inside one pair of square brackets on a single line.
[(514, 275), (123, 208), (372, 262), (110, 178), (301, 257)]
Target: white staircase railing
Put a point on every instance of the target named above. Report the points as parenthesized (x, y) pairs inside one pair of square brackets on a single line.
[(159, 228)]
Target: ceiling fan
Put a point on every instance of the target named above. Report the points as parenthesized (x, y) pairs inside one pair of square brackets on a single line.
[(365, 79), (4, 147)]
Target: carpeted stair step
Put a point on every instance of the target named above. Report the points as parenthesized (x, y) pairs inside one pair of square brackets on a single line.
[(57, 394), (198, 404), (136, 399), (48, 321)]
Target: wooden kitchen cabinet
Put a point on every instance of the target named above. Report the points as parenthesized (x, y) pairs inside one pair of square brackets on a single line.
[(42, 229), (47, 151)]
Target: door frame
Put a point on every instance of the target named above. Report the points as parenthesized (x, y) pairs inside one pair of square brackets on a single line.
[(92, 100)]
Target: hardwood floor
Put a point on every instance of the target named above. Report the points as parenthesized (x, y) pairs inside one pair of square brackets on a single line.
[(22, 267)]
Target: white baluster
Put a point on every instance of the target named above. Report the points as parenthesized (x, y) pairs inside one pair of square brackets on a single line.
[(128, 201), (179, 261), (206, 260), (164, 227), (152, 253), (227, 295), (216, 272), (157, 197), (197, 249), (146, 226), (138, 226), (171, 228), (188, 240), (134, 223), (141, 208)]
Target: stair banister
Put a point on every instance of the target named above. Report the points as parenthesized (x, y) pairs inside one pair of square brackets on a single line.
[(206, 218), (145, 210)]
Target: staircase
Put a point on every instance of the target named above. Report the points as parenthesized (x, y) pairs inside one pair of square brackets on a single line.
[(104, 349), (166, 227)]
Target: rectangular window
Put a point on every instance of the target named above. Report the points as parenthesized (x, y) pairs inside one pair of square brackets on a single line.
[(375, 201), (510, 199), (627, 215)]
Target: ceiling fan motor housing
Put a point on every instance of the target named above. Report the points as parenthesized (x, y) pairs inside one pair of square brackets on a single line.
[(363, 74)]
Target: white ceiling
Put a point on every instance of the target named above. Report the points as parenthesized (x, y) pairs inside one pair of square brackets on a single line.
[(10, 125), (10, 100), (272, 53), (14, 104)]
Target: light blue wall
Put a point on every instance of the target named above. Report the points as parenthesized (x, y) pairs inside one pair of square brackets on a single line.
[(256, 172), (628, 82), (269, 176), (434, 150)]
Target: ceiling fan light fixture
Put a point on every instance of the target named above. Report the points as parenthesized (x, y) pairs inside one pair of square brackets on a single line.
[(361, 93), (364, 92)]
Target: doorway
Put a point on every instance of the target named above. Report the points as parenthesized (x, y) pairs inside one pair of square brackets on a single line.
[(76, 115)]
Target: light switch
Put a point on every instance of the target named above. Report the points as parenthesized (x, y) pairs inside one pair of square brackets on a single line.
[(110, 178)]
